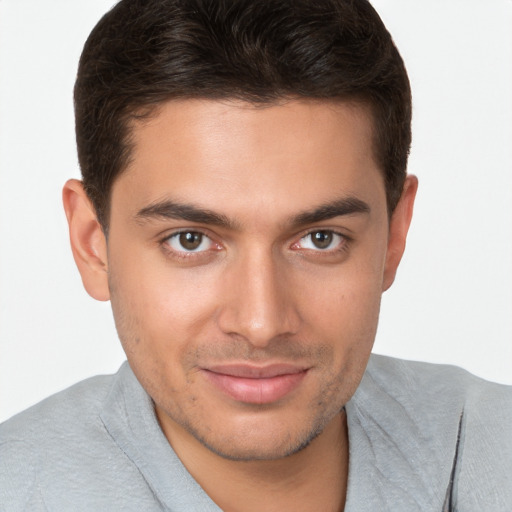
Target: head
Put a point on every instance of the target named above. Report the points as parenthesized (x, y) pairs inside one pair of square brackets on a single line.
[(244, 204), (144, 53)]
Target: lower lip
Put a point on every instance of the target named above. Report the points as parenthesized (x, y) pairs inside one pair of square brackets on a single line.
[(255, 391)]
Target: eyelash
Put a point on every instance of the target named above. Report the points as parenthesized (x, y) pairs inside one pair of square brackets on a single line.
[(184, 254), (340, 247), (188, 255)]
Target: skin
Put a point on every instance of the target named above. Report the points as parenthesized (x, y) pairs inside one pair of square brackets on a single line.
[(248, 185)]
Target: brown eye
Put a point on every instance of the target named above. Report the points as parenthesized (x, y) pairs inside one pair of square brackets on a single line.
[(190, 240), (322, 239)]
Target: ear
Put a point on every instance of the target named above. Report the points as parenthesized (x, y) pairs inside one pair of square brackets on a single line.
[(398, 227), (88, 241)]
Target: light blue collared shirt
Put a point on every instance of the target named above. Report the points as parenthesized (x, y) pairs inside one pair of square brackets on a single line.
[(422, 438)]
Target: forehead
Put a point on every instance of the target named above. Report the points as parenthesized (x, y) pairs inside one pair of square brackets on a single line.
[(232, 154)]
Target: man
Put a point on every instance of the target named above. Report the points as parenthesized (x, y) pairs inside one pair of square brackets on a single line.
[(244, 204)]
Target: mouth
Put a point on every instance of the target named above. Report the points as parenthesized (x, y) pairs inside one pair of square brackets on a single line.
[(255, 384)]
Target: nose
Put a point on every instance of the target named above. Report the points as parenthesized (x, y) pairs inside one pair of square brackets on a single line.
[(260, 303)]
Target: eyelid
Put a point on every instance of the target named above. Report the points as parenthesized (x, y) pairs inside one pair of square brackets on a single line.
[(217, 246), (204, 242), (345, 240), (168, 233), (164, 242)]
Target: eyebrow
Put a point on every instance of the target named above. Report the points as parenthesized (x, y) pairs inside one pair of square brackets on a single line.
[(330, 210), (168, 209)]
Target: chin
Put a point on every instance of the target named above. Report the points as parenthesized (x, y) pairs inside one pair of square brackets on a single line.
[(261, 441), (258, 452)]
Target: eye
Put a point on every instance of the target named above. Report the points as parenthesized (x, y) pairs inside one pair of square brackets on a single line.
[(189, 241), (321, 240)]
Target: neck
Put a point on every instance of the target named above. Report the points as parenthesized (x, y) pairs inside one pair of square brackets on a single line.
[(313, 479)]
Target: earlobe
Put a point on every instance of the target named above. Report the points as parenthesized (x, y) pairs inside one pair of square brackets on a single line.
[(398, 228), (88, 241)]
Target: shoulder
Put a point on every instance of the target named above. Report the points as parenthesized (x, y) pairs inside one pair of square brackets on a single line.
[(58, 416), (427, 389), (85, 448), (453, 428), (446, 382), (62, 435)]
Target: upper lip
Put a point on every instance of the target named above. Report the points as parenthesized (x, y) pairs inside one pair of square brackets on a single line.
[(249, 371)]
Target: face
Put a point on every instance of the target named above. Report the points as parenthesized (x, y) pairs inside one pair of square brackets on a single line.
[(248, 249)]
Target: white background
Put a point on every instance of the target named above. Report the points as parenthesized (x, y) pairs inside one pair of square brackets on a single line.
[(452, 301)]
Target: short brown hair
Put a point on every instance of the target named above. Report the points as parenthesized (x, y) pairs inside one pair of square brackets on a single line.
[(145, 52)]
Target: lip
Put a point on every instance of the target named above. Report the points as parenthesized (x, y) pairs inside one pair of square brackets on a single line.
[(255, 384)]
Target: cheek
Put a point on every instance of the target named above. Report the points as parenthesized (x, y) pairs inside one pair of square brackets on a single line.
[(345, 299), (156, 329), (351, 318), (342, 311), (161, 299)]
